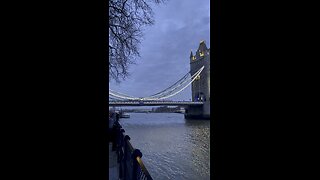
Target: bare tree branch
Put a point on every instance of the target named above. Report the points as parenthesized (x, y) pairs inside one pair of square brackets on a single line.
[(126, 20)]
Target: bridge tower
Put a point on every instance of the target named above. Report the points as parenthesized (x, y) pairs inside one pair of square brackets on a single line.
[(201, 86)]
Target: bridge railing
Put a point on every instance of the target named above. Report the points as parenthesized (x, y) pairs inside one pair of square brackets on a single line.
[(131, 166)]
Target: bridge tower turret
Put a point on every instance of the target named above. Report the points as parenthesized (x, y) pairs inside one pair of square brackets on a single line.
[(201, 86)]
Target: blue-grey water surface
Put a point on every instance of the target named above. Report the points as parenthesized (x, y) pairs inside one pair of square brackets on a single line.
[(172, 147)]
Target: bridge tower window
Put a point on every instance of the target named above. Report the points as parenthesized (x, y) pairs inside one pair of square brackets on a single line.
[(200, 97)]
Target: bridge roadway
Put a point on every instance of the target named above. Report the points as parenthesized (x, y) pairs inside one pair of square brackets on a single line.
[(154, 103)]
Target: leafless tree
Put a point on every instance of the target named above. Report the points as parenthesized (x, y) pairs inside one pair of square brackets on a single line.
[(126, 21)]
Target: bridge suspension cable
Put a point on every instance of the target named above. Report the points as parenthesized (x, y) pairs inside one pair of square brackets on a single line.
[(179, 81), (121, 96), (173, 92), (166, 93)]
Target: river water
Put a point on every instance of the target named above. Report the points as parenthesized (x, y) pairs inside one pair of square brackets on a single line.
[(172, 147)]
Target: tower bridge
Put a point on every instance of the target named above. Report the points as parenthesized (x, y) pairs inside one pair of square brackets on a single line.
[(198, 78)]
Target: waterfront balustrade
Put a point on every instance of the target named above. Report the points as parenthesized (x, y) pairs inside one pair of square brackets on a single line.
[(131, 166)]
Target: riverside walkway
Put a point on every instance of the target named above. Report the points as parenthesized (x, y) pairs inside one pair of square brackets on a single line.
[(113, 164), (124, 161)]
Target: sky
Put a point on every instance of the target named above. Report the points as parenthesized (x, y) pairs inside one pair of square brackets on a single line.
[(179, 27)]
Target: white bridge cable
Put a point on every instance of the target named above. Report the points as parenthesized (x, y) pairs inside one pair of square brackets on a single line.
[(182, 79), (121, 95), (116, 98), (168, 92), (127, 97), (114, 92), (170, 95), (163, 94)]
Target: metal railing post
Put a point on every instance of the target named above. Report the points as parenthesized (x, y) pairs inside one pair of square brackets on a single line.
[(134, 156), (120, 153), (125, 158), (130, 164), (120, 144)]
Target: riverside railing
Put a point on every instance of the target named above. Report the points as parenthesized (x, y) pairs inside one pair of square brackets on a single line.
[(131, 166)]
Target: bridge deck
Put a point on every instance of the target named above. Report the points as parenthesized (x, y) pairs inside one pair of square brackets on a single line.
[(154, 103)]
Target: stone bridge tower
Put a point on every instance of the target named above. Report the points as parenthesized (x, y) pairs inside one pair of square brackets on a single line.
[(201, 86)]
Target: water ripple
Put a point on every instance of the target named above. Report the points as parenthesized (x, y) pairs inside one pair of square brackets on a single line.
[(172, 147)]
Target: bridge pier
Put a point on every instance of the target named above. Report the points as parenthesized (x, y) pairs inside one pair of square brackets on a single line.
[(201, 86), (196, 112)]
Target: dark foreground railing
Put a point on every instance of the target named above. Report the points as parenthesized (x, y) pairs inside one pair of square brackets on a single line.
[(129, 159)]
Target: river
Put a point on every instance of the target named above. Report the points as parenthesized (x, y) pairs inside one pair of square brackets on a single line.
[(172, 147)]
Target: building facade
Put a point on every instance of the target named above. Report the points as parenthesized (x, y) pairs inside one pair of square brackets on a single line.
[(201, 86)]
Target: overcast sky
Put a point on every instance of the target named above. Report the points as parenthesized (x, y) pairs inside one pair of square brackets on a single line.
[(179, 26)]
